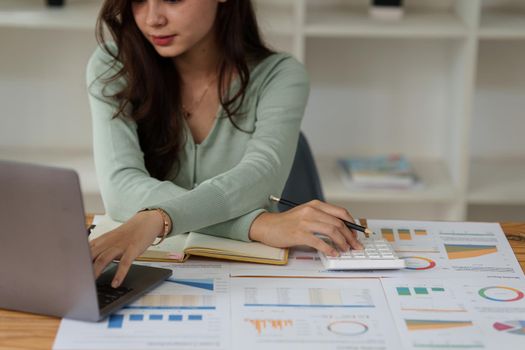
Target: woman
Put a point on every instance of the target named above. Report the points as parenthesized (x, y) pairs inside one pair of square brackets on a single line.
[(196, 121)]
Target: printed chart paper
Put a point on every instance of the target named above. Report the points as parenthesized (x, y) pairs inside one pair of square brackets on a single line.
[(458, 313), (446, 249), (187, 311), (310, 314), (463, 289)]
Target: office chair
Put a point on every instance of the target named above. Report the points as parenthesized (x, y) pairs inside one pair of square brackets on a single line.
[(303, 183)]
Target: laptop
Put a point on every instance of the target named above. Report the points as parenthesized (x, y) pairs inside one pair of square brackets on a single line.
[(45, 260)]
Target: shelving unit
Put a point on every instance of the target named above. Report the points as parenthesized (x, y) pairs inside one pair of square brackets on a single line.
[(341, 21), (437, 189), (79, 160), (77, 14), (431, 86), (497, 181), (502, 25), (277, 18), (413, 87), (496, 186), (502, 20)]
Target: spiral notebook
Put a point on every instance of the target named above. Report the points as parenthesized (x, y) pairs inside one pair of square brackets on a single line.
[(178, 248)]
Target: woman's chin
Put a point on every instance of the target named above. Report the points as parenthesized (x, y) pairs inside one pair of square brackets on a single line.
[(169, 51)]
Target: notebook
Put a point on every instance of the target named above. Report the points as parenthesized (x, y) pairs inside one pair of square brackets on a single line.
[(178, 248), (389, 171)]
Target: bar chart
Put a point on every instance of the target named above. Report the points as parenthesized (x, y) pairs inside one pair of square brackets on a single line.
[(402, 234), (424, 298), (416, 325), (118, 321), (266, 324), (463, 251)]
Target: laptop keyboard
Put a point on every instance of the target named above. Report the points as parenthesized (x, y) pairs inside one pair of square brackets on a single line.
[(107, 294)]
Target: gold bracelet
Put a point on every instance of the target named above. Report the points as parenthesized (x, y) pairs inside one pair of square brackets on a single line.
[(166, 223)]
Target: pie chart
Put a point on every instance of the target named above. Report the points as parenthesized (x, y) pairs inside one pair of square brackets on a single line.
[(513, 327), (501, 293), (347, 328), (418, 263)]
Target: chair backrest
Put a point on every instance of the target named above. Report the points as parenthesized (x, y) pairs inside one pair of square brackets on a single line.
[(303, 183)]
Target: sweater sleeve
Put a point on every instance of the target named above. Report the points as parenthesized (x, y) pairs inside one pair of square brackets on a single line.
[(126, 185), (266, 163)]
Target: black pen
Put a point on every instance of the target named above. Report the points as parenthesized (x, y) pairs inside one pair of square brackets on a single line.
[(349, 224)]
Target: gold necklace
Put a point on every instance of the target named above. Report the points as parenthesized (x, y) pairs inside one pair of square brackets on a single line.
[(187, 112)]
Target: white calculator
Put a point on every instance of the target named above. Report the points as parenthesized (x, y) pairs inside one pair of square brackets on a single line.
[(377, 254)]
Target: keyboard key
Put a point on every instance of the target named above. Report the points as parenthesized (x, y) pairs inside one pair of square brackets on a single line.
[(107, 294)]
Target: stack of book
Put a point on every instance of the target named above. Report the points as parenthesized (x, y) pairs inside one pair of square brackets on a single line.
[(390, 171)]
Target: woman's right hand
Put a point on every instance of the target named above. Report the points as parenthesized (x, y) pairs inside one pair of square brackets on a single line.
[(298, 226), (126, 243)]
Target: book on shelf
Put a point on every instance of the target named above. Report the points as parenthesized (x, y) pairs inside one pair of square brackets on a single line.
[(384, 171), (178, 248)]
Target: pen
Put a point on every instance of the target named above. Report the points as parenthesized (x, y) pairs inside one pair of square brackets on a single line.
[(349, 224)]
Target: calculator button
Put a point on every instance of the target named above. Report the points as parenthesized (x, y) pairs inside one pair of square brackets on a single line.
[(345, 257)]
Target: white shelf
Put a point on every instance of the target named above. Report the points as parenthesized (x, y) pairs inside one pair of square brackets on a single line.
[(437, 185), (497, 181), (276, 19), (421, 103), (79, 14), (342, 22), (81, 161), (502, 24)]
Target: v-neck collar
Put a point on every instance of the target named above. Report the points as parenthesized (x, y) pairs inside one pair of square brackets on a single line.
[(219, 114)]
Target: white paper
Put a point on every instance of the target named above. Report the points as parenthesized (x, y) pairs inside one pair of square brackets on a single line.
[(292, 313), (188, 311), (466, 313), (450, 249), (463, 289)]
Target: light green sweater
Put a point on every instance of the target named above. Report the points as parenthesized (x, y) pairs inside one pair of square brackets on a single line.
[(224, 182)]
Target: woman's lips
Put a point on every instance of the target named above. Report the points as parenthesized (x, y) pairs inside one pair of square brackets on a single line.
[(162, 40)]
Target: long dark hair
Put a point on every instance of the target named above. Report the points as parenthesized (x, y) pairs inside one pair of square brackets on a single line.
[(153, 91)]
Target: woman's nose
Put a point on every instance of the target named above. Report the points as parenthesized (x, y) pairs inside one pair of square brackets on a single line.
[(155, 16)]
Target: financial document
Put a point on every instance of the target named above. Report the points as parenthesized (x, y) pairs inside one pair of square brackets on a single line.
[(281, 313), (458, 313), (449, 249), (435, 249), (189, 311), (463, 289)]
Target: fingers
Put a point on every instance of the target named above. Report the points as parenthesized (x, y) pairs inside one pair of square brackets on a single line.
[(330, 230), (317, 243), (352, 240), (344, 237), (96, 247), (104, 258), (123, 268), (336, 211)]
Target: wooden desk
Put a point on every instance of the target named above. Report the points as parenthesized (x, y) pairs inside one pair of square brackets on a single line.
[(20, 330)]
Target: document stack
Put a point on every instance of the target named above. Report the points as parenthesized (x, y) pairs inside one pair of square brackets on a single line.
[(384, 172)]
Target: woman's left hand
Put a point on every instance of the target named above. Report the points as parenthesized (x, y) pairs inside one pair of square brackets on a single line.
[(300, 225), (126, 243)]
